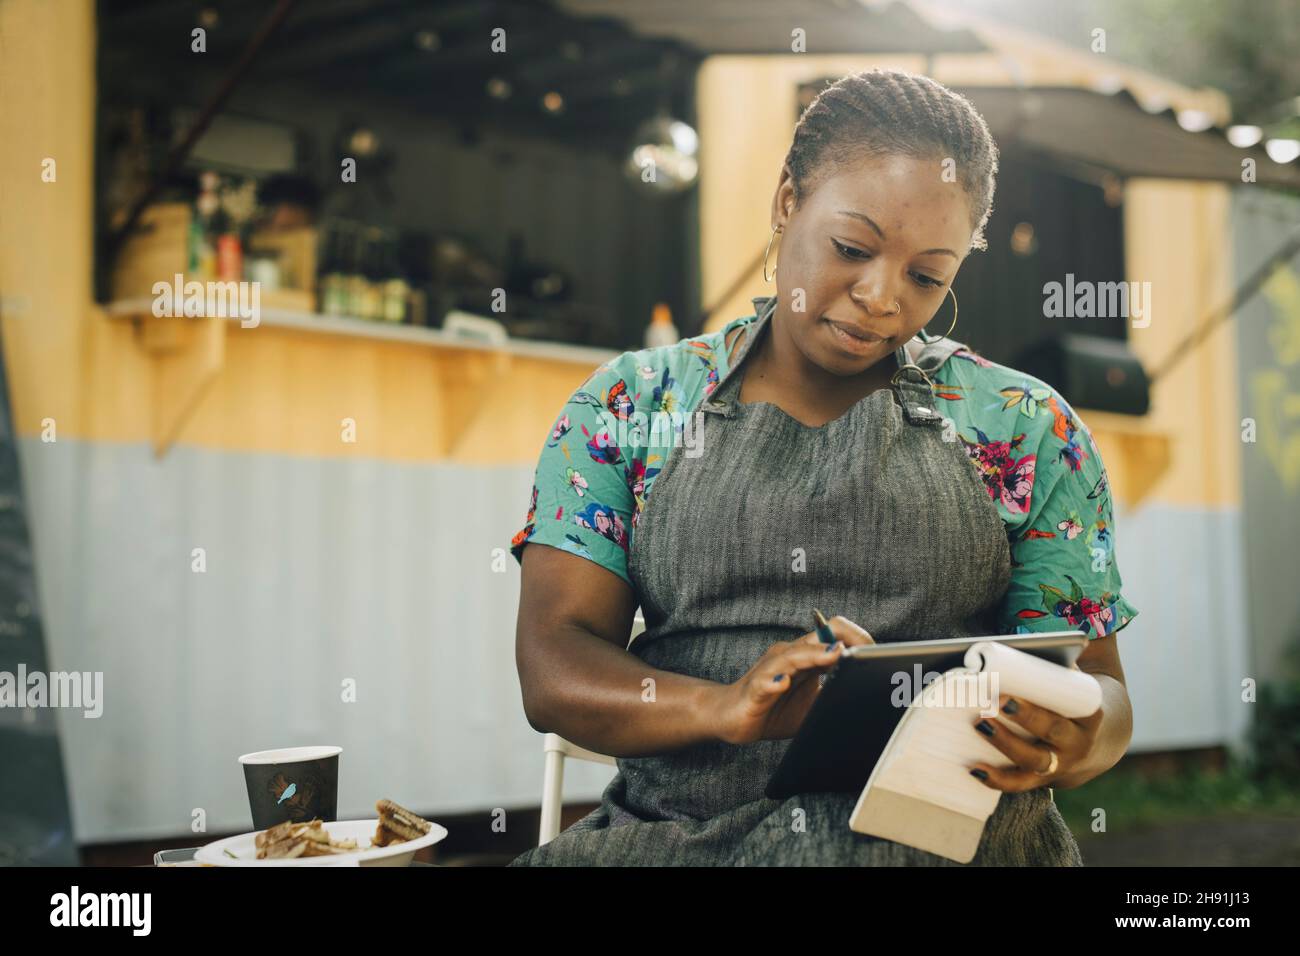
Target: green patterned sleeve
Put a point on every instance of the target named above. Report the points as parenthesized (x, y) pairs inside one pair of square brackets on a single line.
[(581, 501), (1064, 573)]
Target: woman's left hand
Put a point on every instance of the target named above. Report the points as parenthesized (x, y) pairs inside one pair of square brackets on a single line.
[(1071, 740)]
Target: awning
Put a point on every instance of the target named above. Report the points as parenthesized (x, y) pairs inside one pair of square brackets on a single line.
[(1085, 131), (765, 26), (1090, 132)]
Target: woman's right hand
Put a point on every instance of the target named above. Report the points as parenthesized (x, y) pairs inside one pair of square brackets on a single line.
[(771, 701)]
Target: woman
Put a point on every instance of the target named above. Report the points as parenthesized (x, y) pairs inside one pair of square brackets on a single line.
[(952, 497)]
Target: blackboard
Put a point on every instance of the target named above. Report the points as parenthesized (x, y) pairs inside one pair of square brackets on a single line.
[(35, 821)]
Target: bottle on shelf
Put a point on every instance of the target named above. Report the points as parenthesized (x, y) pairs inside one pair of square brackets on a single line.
[(372, 302), (661, 331), (203, 229), (396, 290), (333, 287), (358, 286), (238, 209), (230, 257)]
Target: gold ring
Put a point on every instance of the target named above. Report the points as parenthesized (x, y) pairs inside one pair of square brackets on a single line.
[(1051, 766)]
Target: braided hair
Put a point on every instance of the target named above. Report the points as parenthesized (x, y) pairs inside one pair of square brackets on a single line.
[(879, 112)]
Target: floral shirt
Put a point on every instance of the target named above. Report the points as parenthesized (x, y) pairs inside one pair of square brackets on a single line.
[(1035, 456)]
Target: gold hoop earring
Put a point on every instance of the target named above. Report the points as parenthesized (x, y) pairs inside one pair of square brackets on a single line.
[(766, 277), (954, 315)]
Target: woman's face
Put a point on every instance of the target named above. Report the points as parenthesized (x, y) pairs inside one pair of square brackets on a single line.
[(873, 249)]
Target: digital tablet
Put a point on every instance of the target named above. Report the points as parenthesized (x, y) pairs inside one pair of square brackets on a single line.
[(851, 720)]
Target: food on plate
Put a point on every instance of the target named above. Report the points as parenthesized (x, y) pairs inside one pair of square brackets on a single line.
[(290, 840), (287, 841), (397, 825)]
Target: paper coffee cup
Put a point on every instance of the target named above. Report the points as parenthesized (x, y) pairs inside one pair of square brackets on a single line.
[(292, 785)]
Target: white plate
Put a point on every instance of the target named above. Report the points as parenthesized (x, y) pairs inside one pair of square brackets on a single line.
[(244, 848)]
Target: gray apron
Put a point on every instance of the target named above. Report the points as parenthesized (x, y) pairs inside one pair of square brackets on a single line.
[(872, 516)]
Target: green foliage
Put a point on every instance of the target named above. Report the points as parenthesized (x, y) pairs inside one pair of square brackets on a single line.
[(1247, 50), (1275, 732), (1133, 799), (1265, 782)]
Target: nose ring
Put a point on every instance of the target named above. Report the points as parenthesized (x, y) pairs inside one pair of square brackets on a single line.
[(897, 308)]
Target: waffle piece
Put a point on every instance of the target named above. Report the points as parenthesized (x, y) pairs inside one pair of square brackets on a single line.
[(288, 841), (397, 824)]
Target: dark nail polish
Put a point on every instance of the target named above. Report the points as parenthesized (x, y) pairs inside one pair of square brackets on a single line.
[(977, 772), (777, 678), (1010, 707), (985, 728)]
